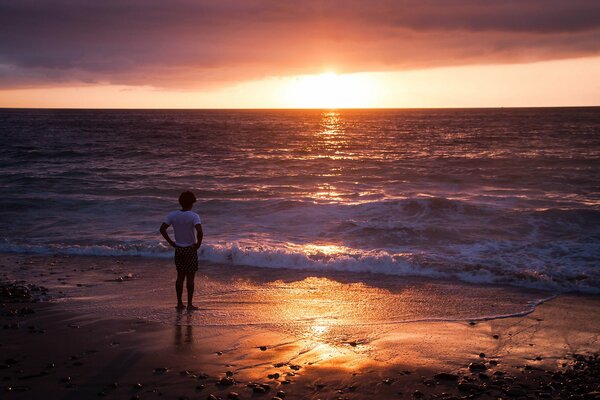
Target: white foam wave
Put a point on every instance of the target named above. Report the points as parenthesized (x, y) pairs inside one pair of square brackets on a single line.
[(338, 258)]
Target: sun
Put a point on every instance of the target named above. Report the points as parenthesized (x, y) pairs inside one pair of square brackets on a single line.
[(331, 90)]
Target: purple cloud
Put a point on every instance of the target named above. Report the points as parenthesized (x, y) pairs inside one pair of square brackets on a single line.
[(187, 44)]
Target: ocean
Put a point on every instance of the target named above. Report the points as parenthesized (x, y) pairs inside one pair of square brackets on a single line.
[(487, 196)]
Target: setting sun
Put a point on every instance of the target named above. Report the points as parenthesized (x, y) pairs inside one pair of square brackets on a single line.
[(331, 90)]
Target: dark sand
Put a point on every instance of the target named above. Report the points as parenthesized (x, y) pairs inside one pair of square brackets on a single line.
[(50, 351)]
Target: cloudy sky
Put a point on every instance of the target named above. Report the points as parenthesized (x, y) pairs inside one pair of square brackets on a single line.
[(228, 53)]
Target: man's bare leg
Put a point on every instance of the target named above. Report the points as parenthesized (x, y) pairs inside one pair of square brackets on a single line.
[(179, 289), (190, 290)]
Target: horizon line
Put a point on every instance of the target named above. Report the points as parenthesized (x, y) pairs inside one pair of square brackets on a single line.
[(295, 108)]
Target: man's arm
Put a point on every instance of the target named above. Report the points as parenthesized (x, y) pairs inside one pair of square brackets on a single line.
[(199, 234), (163, 232)]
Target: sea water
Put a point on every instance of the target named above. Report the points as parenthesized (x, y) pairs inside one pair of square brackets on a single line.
[(487, 196)]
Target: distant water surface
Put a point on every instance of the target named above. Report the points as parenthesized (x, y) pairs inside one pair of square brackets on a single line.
[(491, 196)]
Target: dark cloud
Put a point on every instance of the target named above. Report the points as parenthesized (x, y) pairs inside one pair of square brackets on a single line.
[(184, 44)]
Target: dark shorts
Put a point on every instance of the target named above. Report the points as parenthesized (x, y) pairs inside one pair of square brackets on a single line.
[(186, 259)]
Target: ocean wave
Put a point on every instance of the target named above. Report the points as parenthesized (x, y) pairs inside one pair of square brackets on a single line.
[(483, 263)]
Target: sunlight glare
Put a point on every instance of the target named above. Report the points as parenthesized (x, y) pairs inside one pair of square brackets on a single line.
[(331, 90)]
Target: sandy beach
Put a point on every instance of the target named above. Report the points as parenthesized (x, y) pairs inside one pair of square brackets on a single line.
[(64, 344)]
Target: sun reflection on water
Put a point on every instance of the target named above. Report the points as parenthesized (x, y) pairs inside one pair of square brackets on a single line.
[(331, 123)]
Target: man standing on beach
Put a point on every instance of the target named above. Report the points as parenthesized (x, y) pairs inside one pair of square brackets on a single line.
[(188, 238)]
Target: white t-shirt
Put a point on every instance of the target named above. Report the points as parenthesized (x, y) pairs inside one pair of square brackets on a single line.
[(184, 223)]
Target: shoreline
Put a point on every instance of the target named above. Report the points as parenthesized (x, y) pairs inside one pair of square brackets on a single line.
[(522, 355)]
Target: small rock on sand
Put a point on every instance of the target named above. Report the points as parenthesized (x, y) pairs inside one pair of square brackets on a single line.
[(477, 366), (446, 376), (226, 381)]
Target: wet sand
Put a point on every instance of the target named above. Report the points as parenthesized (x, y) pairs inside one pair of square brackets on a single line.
[(50, 350)]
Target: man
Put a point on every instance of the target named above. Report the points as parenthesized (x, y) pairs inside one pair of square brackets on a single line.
[(188, 238)]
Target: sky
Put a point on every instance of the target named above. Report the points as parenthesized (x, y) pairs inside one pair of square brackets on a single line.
[(281, 54)]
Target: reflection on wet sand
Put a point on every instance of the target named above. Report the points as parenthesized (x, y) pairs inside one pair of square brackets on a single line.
[(183, 330)]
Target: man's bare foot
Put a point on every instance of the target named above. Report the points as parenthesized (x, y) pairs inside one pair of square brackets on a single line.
[(192, 307), (180, 306)]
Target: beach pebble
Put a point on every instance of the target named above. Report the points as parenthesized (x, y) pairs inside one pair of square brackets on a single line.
[(481, 355), (446, 376), (388, 381), (493, 362), (66, 379), (417, 394), (477, 366), (211, 397), (276, 398), (200, 387), (496, 336), (273, 376), (137, 386), (161, 370), (281, 394), (219, 353), (229, 373), (295, 367), (226, 381), (233, 395), (263, 348)]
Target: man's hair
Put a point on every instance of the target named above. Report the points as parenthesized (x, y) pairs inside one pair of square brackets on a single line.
[(187, 199)]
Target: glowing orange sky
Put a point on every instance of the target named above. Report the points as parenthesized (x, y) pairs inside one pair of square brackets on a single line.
[(273, 54), (552, 83)]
